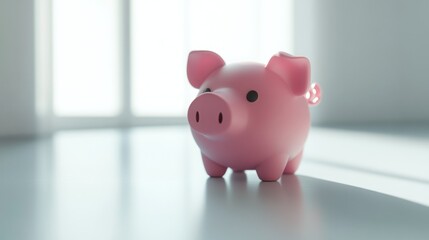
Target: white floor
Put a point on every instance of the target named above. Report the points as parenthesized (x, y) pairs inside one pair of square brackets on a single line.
[(149, 183)]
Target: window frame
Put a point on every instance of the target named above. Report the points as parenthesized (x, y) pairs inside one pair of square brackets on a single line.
[(48, 121)]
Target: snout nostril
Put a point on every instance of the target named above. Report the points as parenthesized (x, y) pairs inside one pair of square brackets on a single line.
[(220, 118), (197, 116)]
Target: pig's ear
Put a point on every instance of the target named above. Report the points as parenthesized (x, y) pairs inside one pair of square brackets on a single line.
[(295, 71), (200, 65)]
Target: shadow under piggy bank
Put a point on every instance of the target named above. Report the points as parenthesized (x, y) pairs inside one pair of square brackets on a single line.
[(255, 210), (301, 207)]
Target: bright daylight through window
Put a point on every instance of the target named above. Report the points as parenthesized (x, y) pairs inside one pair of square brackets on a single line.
[(86, 57), (90, 83)]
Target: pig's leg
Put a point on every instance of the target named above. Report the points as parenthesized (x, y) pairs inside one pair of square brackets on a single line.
[(212, 168), (272, 169), (293, 164)]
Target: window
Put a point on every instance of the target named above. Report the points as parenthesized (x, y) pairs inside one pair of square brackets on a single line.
[(126, 60), (86, 57)]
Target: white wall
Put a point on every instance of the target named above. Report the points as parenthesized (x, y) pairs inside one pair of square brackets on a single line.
[(371, 58), (17, 85)]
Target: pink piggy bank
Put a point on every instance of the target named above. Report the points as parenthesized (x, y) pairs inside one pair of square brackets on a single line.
[(250, 116)]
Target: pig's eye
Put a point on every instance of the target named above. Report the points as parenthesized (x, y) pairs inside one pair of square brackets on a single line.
[(207, 90), (252, 96)]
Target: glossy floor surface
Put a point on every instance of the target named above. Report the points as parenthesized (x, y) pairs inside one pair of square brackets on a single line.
[(149, 183)]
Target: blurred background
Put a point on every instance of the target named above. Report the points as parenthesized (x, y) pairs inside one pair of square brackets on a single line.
[(111, 63), (93, 98)]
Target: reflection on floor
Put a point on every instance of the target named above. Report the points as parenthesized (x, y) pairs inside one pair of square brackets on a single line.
[(149, 183)]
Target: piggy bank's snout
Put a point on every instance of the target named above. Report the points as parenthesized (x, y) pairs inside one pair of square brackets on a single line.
[(209, 114)]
